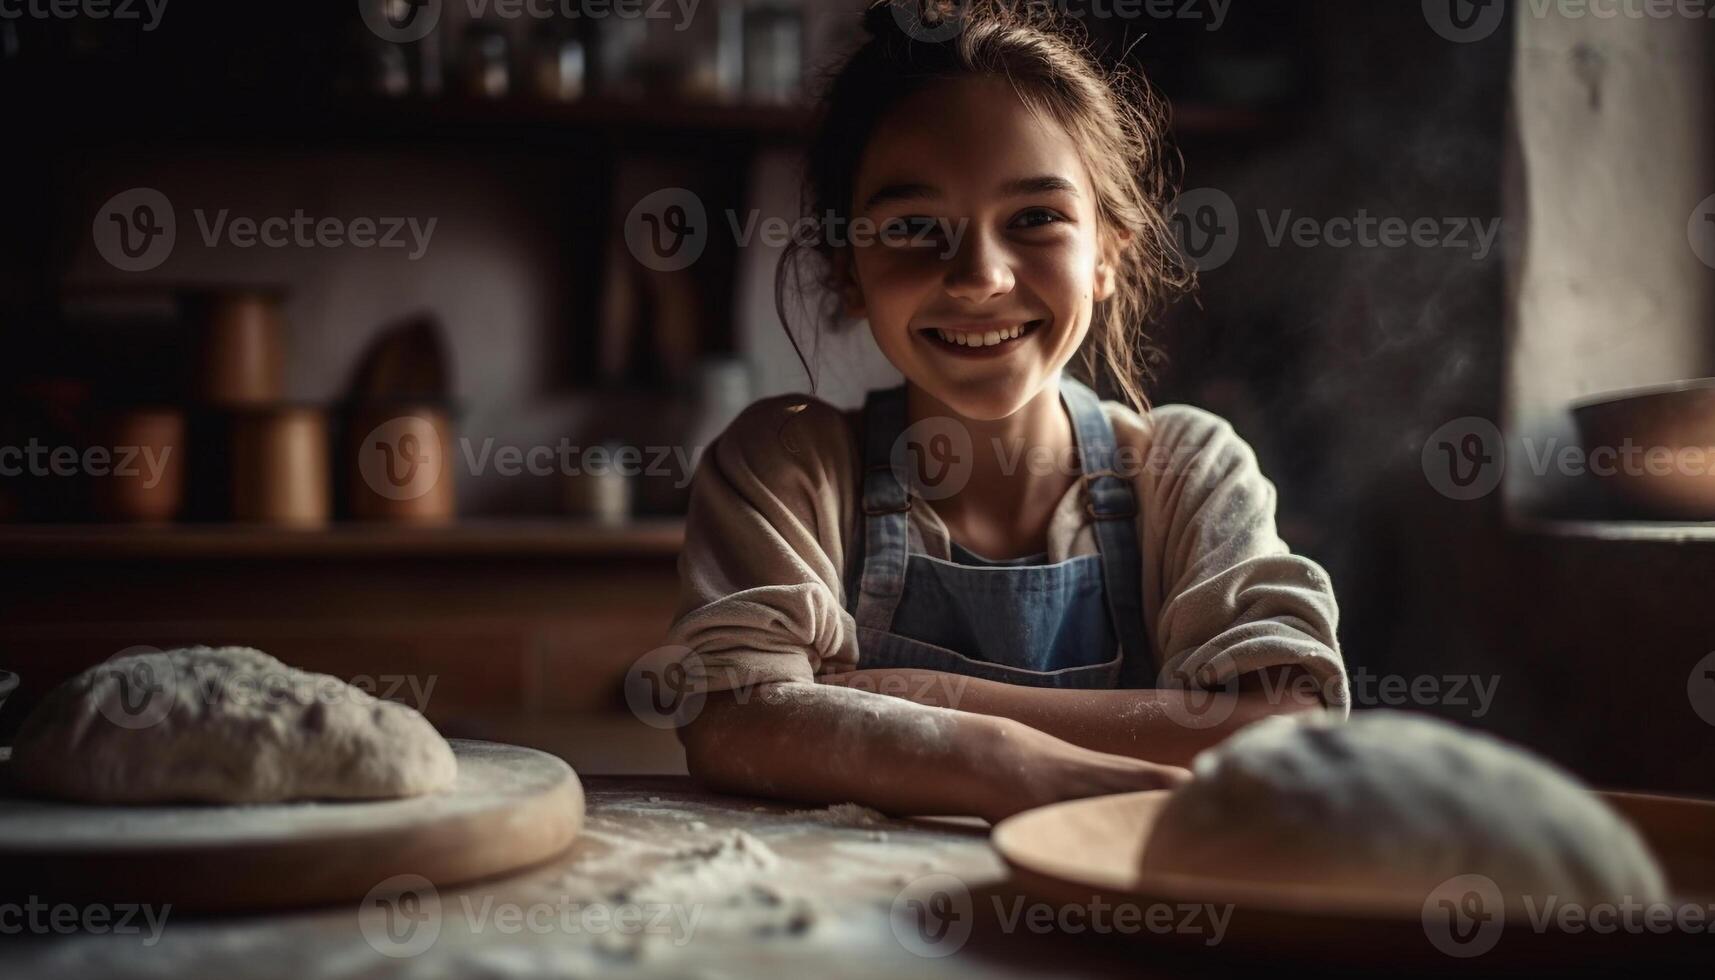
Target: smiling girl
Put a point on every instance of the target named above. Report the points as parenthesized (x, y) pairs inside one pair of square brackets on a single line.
[(988, 589)]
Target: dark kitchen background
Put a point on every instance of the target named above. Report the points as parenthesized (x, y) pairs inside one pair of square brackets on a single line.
[(520, 318)]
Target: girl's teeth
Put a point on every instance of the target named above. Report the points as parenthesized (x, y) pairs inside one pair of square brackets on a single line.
[(988, 339)]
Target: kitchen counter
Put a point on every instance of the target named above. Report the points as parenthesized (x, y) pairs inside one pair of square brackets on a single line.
[(665, 881)]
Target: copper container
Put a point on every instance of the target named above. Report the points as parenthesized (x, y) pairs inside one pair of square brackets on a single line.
[(143, 481), (280, 467), (243, 350), (400, 463)]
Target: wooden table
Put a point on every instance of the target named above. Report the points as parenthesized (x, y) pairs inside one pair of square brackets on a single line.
[(820, 897)]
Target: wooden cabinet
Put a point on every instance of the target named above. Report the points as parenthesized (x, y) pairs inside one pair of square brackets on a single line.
[(491, 621)]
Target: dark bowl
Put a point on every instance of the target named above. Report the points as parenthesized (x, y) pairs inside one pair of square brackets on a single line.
[(8, 684), (1653, 449)]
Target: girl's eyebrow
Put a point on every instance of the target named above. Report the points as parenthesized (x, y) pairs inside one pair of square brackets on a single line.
[(1044, 184), (1024, 186)]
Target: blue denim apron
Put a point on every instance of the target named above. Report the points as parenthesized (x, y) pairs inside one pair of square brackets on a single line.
[(1077, 623)]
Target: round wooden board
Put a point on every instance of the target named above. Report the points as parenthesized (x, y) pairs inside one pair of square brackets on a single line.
[(1088, 851), (510, 808)]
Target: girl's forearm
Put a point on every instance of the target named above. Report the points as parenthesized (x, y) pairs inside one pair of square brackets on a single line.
[(821, 744), (1163, 726), (813, 744)]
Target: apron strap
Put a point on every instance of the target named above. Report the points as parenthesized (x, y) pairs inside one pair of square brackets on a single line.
[(885, 507), (1110, 501)]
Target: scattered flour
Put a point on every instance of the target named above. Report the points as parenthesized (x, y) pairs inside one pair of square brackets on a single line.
[(720, 889), (842, 815)]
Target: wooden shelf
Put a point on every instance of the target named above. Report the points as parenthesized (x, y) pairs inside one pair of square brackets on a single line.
[(659, 538), (411, 121), (1604, 529)]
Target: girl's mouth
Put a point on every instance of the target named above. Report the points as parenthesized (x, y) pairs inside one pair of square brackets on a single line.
[(994, 341)]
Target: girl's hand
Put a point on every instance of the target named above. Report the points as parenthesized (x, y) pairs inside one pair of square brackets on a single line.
[(1044, 769)]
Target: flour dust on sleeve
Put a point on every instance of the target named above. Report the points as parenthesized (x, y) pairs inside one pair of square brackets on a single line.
[(760, 573), (1223, 592)]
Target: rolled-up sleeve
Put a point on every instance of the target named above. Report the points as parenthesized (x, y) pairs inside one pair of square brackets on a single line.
[(760, 573), (1224, 593)]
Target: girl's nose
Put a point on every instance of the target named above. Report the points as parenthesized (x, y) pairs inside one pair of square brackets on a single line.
[(979, 272)]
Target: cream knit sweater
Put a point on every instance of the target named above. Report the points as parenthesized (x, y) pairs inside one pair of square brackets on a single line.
[(774, 507)]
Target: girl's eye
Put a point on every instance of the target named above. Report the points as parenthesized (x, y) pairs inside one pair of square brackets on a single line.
[(1037, 218)]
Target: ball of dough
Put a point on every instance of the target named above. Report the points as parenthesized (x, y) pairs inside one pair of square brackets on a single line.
[(226, 725), (1395, 802)]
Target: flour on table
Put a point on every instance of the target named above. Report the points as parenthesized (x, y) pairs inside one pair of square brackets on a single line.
[(725, 885), (842, 815)]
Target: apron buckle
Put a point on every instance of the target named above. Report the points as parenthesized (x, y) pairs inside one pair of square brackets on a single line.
[(874, 511), (882, 511), (1126, 513)]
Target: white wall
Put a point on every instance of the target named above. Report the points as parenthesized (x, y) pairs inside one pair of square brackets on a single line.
[(1614, 127)]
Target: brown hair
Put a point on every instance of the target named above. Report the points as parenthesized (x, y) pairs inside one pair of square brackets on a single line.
[(1117, 121)]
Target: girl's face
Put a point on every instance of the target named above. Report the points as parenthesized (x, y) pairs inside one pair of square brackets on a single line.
[(984, 225)]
